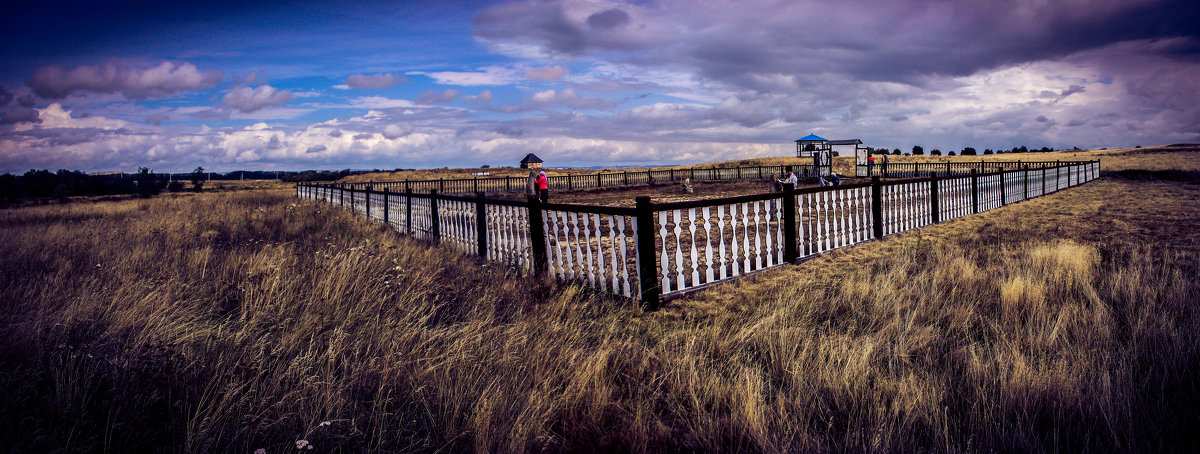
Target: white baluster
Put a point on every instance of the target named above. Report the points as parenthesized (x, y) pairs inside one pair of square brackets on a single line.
[(770, 244), (721, 238), (680, 283), (745, 238), (587, 244), (757, 240), (599, 252), (708, 259), (624, 257), (666, 258), (695, 254)]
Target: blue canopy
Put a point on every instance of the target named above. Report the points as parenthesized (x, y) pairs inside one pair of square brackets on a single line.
[(811, 137)]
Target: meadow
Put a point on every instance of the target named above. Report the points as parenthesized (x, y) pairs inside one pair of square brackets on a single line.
[(238, 320)]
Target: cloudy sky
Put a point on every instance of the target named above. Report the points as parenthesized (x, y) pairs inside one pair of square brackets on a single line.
[(306, 85)]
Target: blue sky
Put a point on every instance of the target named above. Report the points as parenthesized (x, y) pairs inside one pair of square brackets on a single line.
[(306, 85)]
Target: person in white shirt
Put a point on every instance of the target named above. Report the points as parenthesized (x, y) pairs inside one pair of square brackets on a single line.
[(791, 179)]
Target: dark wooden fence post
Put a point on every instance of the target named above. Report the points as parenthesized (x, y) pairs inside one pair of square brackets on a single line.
[(974, 191), (386, 210), (537, 235), (367, 202), (625, 175), (876, 207), (1003, 189), (935, 214), (407, 209), (435, 225), (790, 252), (647, 262), (1057, 176), (481, 223)]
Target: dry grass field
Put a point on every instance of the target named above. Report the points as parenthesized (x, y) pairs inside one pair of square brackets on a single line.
[(232, 321)]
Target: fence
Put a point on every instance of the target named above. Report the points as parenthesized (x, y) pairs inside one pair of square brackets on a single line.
[(926, 169), (658, 251), (588, 181)]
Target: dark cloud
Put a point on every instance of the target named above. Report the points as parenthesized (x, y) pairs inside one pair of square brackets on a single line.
[(5, 96), (374, 81), (157, 118), (363, 136), (245, 99), (608, 19), (335, 133), (862, 39), (509, 131), (544, 23), (315, 149), (433, 97), (19, 114), (26, 101), (114, 75), (274, 143)]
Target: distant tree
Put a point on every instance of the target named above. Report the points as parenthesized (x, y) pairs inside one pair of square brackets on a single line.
[(918, 150), (951, 153), (834, 154), (987, 151), (1046, 150), (1022, 149), (198, 179), (896, 152), (935, 152), (147, 185), (969, 151), (175, 186)]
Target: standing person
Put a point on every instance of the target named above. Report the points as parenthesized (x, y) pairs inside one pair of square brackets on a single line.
[(870, 164), (791, 178), (885, 161), (543, 187)]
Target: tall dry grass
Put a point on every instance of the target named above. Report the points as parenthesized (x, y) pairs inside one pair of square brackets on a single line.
[(230, 322)]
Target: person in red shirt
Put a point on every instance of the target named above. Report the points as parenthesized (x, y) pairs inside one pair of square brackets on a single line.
[(870, 164), (543, 187)]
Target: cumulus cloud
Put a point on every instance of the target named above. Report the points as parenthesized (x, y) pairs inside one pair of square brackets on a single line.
[(482, 97), (569, 98), (491, 75), (157, 118), (374, 81), (112, 76), (433, 97), (394, 131), (245, 99), (546, 73)]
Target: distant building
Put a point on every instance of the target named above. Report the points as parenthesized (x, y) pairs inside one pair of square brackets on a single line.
[(531, 161)]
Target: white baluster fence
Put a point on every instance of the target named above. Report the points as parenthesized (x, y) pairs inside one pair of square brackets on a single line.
[(659, 251)]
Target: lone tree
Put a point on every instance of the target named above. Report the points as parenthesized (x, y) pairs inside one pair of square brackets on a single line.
[(969, 151), (197, 179), (935, 152), (918, 150), (896, 152), (146, 183)]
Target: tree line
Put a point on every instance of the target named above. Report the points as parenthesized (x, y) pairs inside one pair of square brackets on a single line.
[(918, 150), (42, 184)]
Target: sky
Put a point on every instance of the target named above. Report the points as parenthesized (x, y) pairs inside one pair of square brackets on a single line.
[(292, 85)]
